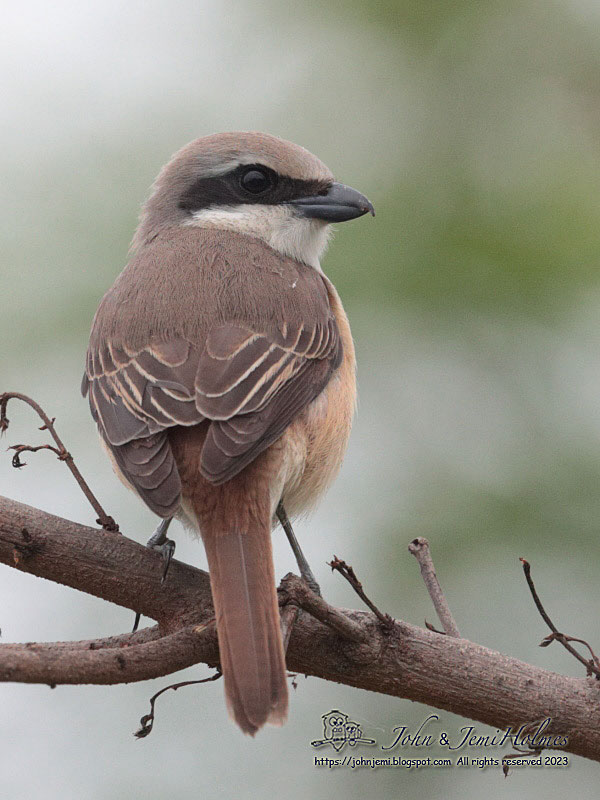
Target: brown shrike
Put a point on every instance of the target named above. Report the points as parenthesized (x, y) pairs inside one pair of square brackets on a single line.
[(221, 375)]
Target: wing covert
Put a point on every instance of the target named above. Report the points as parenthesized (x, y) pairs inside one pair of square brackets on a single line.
[(243, 364)]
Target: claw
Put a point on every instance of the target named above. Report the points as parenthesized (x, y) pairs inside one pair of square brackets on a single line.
[(167, 548), (158, 541)]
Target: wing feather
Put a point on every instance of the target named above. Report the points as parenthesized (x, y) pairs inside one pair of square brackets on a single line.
[(245, 380)]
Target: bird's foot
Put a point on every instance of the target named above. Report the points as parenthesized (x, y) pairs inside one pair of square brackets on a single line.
[(158, 541)]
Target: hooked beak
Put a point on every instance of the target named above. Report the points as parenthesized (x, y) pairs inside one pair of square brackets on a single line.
[(339, 204)]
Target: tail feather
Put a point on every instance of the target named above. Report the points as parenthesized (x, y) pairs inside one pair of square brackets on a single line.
[(250, 642)]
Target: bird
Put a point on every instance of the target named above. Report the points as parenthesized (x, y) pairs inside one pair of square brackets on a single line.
[(220, 374)]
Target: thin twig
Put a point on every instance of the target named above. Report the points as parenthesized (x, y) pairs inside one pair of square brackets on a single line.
[(433, 629), (519, 754), (522, 751), (106, 521), (338, 565), (27, 448), (591, 664), (147, 721), (552, 636), (419, 548)]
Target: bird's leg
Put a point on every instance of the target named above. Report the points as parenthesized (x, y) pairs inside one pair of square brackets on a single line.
[(158, 541), (305, 570)]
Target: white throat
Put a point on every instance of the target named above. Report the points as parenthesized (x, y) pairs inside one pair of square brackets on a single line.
[(279, 226)]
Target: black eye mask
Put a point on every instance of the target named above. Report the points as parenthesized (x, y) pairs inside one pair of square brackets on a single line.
[(248, 184)]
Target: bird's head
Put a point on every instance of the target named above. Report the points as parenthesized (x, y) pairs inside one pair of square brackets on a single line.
[(256, 185)]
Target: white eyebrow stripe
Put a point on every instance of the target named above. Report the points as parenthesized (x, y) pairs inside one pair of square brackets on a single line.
[(227, 166)]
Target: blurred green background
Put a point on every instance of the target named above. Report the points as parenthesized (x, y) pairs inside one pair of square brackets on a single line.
[(474, 296)]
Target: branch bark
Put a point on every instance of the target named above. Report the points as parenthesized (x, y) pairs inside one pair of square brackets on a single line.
[(400, 660)]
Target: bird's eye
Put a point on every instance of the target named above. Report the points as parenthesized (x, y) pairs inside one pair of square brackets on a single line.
[(256, 180)]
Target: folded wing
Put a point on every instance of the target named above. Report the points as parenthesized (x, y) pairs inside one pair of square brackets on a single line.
[(247, 386)]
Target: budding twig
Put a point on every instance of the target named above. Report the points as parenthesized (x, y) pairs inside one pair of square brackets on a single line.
[(592, 664), (147, 721), (61, 451), (338, 565)]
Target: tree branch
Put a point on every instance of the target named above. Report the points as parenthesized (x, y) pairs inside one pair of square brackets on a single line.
[(102, 563), (403, 661), (55, 663), (295, 588)]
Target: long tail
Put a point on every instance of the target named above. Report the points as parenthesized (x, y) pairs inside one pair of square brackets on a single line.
[(243, 586)]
